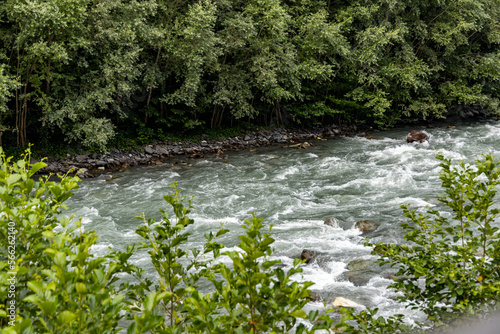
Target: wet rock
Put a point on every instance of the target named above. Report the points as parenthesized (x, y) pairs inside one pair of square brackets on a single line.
[(162, 150), (308, 255), (417, 136), (358, 278), (393, 276), (301, 145), (120, 159), (366, 226), (178, 151), (344, 302), (314, 296), (328, 132), (278, 137), (81, 157), (468, 111), (333, 222), (360, 264), (84, 173)]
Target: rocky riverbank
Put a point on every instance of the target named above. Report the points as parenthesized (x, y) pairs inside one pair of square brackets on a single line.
[(91, 164)]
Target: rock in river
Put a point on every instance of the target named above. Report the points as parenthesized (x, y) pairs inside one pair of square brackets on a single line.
[(360, 264), (332, 221), (366, 226), (417, 136), (344, 302), (308, 255)]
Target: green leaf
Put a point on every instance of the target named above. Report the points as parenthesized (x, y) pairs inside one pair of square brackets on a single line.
[(81, 288), (149, 302), (36, 287), (13, 178), (60, 259), (65, 317), (48, 234), (48, 307), (299, 314)]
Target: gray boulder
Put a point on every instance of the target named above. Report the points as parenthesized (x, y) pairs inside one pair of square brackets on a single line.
[(308, 255), (360, 264)]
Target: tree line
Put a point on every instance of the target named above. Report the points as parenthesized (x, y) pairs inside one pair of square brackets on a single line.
[(87, 70)]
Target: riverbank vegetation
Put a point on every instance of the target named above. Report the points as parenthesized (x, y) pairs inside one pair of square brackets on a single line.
[(88, 72), (52, 283)]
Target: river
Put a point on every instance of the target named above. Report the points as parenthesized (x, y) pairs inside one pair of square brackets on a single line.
[(349, 178)]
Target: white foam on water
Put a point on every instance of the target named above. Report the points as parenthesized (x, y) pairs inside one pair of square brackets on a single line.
[(452, 154), (288, 171), (203, 221), (314, 273), (101, 249), (413, 201), (86, 211), (129, 234)]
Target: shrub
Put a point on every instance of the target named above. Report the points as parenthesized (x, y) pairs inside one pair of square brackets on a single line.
[(50, 282), (449, 266)]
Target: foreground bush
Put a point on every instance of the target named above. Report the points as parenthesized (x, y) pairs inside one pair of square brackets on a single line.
[(449, 267)]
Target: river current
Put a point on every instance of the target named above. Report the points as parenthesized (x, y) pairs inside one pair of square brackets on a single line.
[(349, 178)]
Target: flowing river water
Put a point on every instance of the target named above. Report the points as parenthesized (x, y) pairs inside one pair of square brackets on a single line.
[(349, 178)]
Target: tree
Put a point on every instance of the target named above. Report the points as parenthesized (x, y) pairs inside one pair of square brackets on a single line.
[(77, 62)]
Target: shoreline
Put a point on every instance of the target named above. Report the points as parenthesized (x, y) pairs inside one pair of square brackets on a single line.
[(89, 165), (93, 164)]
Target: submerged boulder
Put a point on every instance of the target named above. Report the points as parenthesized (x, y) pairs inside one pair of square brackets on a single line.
[(333, 222), (308, 255), (358, 278), (360, 264), (417, 136), (366, 226)]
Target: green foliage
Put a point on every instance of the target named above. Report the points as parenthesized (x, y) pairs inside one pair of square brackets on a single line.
[(365, 322), (82, 69), (253, 296), (163, 308), (47, 271), (449, 266)]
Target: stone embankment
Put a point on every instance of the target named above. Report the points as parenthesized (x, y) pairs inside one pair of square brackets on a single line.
[(92, 164)]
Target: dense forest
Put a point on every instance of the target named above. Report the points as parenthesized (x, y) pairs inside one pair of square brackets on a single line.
[(88, 71)]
